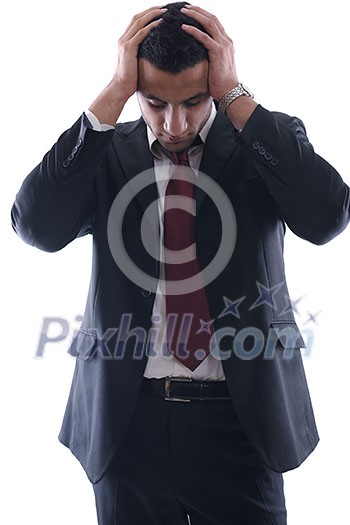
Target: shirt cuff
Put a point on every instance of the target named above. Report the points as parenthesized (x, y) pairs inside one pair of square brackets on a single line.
[(95, 123)]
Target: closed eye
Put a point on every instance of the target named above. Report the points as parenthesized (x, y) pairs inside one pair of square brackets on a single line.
[(192, 103), (156, 104)]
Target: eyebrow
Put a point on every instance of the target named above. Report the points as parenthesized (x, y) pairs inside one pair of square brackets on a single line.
[(201, 94)]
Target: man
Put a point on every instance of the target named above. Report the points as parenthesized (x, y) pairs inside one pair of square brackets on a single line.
[(171, 429)]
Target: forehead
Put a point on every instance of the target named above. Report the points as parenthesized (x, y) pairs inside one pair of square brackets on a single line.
[(172, 87)]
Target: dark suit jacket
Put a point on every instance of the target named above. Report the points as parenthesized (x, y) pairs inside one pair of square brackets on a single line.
[(272, 177)]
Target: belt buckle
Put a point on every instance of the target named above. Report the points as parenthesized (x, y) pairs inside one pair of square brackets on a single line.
[(168, 396)]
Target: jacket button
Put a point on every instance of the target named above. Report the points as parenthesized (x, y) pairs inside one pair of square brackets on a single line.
[(255, 144), (275, 161), (146, 293), (262, 150), (66, 164), (70, 157), (268, 156)]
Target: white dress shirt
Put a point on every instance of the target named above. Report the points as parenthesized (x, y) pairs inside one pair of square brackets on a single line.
[(160, 363)]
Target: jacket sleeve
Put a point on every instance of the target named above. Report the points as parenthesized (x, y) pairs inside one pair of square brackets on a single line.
[(309, 193), (56, 202)]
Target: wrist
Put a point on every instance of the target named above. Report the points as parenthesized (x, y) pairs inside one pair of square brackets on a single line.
[(109, 104), (233, 94), (225, 89), (240, 111)]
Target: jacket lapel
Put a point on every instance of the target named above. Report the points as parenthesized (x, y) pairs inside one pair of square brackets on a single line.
[(219, 148), (131, 148)]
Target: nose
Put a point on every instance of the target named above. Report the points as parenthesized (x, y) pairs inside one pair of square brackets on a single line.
[(175, 122)]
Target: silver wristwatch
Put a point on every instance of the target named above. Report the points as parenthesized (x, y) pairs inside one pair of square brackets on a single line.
[(238, 91)]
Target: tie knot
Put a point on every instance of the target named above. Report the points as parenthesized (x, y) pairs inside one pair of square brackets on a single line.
[(181, 158)]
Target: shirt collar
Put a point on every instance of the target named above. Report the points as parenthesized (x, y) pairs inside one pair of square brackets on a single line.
[(153, 141)]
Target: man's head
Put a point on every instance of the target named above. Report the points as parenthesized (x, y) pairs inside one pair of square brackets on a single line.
[(168, 47), (173, 81)]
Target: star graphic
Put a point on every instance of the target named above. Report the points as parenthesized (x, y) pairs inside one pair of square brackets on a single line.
[(266, 295), (205, 326), (294, 305), (312, 317), (231, 307)]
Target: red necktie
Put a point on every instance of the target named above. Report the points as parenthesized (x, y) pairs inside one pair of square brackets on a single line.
[(189, 326)]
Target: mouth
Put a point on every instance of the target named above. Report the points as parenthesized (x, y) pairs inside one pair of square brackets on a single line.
[(175, 141)]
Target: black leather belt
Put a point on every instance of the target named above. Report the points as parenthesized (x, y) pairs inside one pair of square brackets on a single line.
[(184, 389)]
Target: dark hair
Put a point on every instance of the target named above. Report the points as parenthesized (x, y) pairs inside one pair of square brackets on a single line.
[(168, 47)]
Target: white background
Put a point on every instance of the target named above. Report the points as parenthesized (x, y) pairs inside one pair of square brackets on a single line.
[(56, 57)]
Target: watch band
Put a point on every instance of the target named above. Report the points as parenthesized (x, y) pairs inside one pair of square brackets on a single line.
[(239, 91)]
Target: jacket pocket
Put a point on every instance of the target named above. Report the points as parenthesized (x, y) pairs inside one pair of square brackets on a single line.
[(287, 334), (83, 346)]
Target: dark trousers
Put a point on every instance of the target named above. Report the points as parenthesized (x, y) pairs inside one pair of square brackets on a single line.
[(188, 463)]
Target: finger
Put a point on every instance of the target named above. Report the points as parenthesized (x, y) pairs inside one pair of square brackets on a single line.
[(200, 10), (144, 13), (141, 20), (142, 33), (201, 37), (209, 21)]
